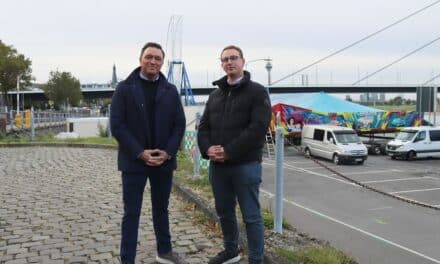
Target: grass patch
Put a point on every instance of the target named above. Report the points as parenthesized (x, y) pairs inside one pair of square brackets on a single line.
[(49, 138), (89, 140), (316, 255), (268, 220), (407, 108), (185, 173)]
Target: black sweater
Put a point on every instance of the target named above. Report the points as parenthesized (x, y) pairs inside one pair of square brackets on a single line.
[(150, 90)]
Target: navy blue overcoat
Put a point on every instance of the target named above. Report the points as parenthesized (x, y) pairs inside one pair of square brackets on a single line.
[(130, 127)]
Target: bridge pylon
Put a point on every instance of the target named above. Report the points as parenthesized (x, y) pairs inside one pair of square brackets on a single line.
[(178, 75)]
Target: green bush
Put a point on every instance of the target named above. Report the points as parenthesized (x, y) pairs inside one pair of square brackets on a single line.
[(102, 130)]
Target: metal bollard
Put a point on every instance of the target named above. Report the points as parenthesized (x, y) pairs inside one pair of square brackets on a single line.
[(11, 118), (279, 181), (278, 119), (32, 124), (196, 149), (108, 126)]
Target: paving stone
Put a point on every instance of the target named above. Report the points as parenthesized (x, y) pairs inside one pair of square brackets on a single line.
[(12, 251), (101, 256), (16, 261), (104, 249), (78, 259), (184, 242), (61, 255), (49, 251), (6, 258), (26, 255)]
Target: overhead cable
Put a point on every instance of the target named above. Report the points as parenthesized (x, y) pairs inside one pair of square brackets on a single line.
[(357, 42), (430, 80), (396, 61)]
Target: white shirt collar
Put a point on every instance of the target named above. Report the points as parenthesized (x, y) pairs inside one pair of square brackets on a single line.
[(146, 78), (236, 81)]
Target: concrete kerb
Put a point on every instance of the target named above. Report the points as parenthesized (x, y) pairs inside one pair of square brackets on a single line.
[(182, 191)]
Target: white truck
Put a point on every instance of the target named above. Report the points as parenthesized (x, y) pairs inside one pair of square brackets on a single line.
[(339, 144)]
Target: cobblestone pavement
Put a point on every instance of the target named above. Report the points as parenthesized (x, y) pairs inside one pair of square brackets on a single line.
[(64, 205)]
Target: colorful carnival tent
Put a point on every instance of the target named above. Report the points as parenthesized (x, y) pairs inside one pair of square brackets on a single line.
[(320, 108), (321, 102)]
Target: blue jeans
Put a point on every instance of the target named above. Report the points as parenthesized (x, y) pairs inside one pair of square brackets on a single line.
[(232, 183), (133, 185)]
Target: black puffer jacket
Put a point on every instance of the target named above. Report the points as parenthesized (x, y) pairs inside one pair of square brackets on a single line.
[(236, 117)]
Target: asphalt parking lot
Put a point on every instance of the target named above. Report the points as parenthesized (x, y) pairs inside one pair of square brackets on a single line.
[(354, 218)]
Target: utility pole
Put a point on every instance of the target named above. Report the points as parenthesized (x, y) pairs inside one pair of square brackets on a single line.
[(18, 93)]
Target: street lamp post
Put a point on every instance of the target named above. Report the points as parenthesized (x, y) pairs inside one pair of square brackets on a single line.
[(268, 68), (18, 93)]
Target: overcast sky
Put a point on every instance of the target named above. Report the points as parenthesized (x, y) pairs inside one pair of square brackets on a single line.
[(86, 37)]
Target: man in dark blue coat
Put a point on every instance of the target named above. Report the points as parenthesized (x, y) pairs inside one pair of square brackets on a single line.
[(148, 121)]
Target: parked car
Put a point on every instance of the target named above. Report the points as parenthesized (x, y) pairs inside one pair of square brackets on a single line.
[(415, 142), (339, 144)]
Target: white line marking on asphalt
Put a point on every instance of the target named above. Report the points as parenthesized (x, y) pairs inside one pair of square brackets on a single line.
[(355, 228), (290, 167), (400, 179), (310, 168), (380, 208), (419, 190), (371, 172), (301, 162), (294, 162)]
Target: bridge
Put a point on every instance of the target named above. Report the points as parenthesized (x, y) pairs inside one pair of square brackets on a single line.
[(103, 92)]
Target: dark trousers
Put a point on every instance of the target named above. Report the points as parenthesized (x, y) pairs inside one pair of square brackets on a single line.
[(133, 185), (232, 183)]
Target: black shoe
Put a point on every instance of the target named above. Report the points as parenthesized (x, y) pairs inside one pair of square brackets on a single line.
[(170, 258), (225, 257)]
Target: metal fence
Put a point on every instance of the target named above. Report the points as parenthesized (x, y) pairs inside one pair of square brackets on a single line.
[(13, 120)]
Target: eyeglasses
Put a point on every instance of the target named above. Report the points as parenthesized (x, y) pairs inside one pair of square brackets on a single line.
[(230, 58)]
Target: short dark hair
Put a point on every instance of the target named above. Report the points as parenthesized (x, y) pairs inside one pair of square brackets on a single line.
[(152, 45), (240, 52)]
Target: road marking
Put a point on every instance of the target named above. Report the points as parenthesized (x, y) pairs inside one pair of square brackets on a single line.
[(370, 172), (380, 208), (294, 162), (301, 162), (290, 167), (355, 228), (400, 179), (419, 190), (311, 168)]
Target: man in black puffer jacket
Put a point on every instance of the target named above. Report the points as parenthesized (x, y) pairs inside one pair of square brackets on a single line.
[(231, 135)]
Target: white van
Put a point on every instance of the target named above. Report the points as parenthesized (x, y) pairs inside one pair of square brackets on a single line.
[(415, 142), (340, 144)]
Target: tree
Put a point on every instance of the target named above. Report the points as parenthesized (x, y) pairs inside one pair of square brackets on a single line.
[(63, 89), (13, 65), (398, 100)]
